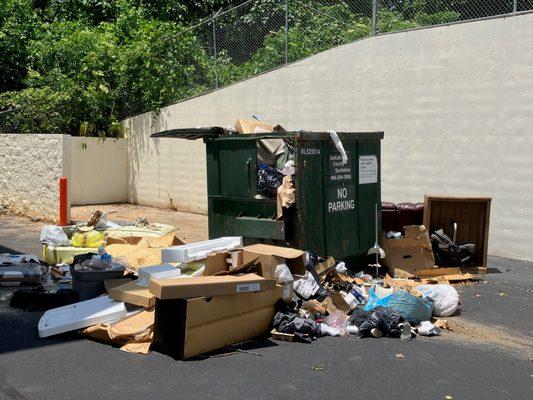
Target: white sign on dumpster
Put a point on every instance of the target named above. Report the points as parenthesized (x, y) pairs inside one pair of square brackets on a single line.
[(368, 169)]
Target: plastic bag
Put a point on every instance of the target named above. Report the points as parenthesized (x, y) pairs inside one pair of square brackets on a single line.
[(412, 308), (337, 320), (445, 298), (53, 235), (283, 274), (88, 239), (268, 181)]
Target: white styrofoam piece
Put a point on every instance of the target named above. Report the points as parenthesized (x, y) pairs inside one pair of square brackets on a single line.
[(160, 271), (80, 315), (199, 250)]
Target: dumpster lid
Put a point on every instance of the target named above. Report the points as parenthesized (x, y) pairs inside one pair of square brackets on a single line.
[(193, 133)]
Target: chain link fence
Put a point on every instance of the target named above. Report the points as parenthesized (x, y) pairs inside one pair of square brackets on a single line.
[(257, 36)]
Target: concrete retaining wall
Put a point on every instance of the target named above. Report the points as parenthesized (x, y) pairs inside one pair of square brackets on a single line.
[(455, 103), (99, 171), (30, 167)]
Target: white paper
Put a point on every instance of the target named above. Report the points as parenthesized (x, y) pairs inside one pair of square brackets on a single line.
[(368, 169)]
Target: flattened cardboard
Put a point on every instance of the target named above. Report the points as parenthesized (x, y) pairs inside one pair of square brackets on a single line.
[(175, 288), (134, 333), (132, 293), (271, 256), (186, 328)]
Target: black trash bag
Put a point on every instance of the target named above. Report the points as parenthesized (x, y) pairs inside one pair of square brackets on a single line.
[(287, 320), (268, 181), (385, 319)]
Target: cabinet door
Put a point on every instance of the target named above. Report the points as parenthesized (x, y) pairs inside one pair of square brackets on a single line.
[(238, 168)]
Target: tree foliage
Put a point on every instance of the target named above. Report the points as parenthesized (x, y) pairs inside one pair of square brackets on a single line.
[(79, 66)]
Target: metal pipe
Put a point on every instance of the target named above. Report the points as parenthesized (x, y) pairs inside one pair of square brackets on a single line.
[(286, 31), (215, 49), (515, 6), (374, 17)]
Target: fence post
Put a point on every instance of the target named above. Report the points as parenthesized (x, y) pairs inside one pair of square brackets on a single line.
[(515, 6), (286, 31), (215, 48), (374, 16)]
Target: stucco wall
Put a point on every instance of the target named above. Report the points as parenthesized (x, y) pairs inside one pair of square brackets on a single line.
[(455, 102), (99, 170), (30, 167)]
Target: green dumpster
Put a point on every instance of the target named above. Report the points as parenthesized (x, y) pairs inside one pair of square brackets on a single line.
[(335, 202)]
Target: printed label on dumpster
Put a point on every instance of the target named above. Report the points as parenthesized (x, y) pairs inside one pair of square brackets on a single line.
[(248, 287), (341, 199), (309, 151), (339, 172), (368, 169)]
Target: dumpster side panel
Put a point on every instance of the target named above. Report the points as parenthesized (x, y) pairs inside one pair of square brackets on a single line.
[(341, 201), (369, 191), (309, 195)]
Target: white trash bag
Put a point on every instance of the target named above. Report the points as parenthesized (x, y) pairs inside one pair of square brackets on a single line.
[(53, 235), (445, 297)]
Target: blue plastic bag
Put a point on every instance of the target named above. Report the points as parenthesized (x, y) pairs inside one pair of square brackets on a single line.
[(412, 308)]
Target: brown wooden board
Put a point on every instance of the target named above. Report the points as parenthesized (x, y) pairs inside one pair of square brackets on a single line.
[(472, 215)]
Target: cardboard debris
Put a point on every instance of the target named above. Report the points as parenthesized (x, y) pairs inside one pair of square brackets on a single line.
[(140, 252), (132, 293), (176, 288), (271, 256), (399, 283), (134, 333), (432, 272), (286, 195), (252, 126)]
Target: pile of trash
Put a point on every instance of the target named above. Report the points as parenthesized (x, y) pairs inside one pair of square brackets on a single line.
[(219, 285)]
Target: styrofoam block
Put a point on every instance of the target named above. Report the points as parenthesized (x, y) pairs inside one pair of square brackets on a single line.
[(199, 250), (160, 271), (80, 315)]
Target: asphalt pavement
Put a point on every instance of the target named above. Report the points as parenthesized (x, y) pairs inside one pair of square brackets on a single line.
[(490, 357)]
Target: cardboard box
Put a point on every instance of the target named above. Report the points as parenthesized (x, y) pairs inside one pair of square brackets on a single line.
[(132, 293), (406, 255), (217, 264), (175, 288), (185, 328), (325, 266), (252, 126), (270, 256)]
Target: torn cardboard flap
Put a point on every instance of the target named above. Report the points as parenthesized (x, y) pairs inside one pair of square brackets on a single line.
[(176, 288)]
